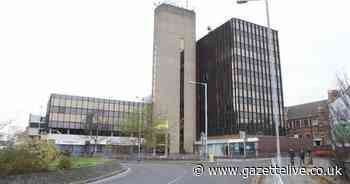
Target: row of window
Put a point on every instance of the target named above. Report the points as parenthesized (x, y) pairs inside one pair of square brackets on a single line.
[(255, 94), (253, 108), (96, 105), (255, 61), (240, 35), (243, 76), (306, 123), (98, 100), (259, 76), (251, 100), (85, 111), (83, 118), (255, 88), (240, 25), (251, 48), (78, 125)]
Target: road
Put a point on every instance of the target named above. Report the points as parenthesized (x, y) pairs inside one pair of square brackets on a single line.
[(177, 173)]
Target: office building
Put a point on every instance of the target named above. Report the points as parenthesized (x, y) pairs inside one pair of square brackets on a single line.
[(234, 61), (66, 122), (173, 66)]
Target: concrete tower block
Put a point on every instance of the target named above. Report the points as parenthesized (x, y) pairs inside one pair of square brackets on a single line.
[(174, 33)]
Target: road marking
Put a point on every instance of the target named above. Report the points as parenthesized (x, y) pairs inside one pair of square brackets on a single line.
[(120, 175), (243, 160), (178, 178)]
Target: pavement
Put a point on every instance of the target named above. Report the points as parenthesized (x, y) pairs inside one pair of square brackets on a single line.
[(179, 173), (299, 179)]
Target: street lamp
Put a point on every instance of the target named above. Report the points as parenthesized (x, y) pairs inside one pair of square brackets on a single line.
[(206, 113), (273, 76), (139, 136), (241, 2)]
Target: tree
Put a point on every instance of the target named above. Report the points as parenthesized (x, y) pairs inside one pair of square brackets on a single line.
[(153, 129), (156, 132), (339, 109), (92, 128), (342, 132)]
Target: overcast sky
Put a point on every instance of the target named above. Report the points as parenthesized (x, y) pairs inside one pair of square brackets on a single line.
[(104, 48)]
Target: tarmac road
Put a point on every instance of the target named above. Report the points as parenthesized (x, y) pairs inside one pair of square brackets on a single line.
[(177, 173)]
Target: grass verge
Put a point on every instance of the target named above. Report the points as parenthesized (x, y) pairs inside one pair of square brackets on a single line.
[(79, 162)]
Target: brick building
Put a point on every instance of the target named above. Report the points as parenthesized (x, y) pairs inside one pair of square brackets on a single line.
[(310, 120)]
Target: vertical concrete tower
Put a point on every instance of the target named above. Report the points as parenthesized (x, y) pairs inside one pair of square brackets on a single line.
[(173, 66)]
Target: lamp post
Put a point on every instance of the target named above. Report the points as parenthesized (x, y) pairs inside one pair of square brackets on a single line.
[(273, 76), (139, 132), (206, 113)]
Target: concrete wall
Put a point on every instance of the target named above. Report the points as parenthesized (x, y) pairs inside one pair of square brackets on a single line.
[(174, 31)]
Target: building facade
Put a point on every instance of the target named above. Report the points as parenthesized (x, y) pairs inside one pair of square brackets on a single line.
[(67, 116), (173, 66), (311, 120), (234, 61), (37, 124)]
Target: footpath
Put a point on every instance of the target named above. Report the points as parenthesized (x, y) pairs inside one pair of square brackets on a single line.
[(300, 179)]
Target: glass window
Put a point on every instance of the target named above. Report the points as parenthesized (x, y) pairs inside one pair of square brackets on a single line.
[(61, 109), (56, 101), (66, 118), (62, 102), (92, 105), (54, 109), (74, 103), (84, 104), (106, 106)]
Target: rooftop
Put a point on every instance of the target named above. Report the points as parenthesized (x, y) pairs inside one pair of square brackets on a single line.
[(305, 110)]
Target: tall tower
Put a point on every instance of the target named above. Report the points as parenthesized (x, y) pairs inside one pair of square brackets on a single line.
[(173, 66)]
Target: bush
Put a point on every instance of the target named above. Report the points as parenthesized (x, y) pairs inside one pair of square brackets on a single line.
[(20, 161), (64, 163), (65, 153), (46, 151), (31, 156)]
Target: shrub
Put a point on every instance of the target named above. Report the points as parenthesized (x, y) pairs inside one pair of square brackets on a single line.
[(31, 156), (20, 161), (65, 153), (64, 163), (44, 149)]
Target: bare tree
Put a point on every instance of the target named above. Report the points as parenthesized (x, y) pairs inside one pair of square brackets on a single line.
[(340, 117)]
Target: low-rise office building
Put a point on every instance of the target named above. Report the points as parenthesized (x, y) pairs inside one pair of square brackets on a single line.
[(67, 123)]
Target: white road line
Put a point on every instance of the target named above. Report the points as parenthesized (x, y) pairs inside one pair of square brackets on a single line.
[(178, 178), (243, 160), (122, 174)]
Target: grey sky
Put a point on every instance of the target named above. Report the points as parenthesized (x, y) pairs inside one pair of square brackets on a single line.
[(104, 48)]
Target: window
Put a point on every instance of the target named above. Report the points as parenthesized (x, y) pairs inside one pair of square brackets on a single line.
[(61, 109)]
